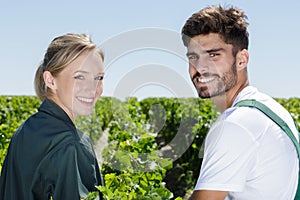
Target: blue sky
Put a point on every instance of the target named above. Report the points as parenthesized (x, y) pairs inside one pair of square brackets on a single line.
[(141, 41)]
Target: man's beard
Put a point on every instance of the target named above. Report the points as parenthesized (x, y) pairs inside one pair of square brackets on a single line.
[(224, 83)]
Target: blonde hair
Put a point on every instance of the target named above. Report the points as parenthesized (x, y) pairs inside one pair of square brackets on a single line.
[(62, 51)]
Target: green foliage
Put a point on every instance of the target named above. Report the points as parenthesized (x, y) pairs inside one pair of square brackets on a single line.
[(154, 144), (127, 185), (181, 124), (292, 105), (132, 168), (13, 111)]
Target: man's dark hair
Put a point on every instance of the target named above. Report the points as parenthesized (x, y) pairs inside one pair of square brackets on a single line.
[(229, 23)]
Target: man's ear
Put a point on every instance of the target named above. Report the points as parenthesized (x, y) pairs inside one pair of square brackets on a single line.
[(49, 80), (242, 59)]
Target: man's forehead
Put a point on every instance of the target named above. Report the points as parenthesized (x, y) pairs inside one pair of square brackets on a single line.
[(205, 43)]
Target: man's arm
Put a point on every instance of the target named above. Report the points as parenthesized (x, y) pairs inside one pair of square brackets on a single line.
[(208, 195)]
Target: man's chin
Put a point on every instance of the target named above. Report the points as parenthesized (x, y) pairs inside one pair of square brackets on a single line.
[(208, 95), (204, 96), (204, 92)]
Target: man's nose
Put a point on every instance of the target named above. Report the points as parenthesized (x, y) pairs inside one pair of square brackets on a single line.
[(200, 65)]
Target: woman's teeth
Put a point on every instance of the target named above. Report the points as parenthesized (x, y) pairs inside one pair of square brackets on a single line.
[(87, 100)]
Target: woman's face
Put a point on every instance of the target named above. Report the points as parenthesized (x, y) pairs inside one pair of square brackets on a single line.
[(79, 85)]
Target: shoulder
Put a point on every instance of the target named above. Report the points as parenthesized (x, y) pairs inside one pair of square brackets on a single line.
[(248, 118), (45, 130), (246, 114), (228, 132), (44, 124), (242, 125)]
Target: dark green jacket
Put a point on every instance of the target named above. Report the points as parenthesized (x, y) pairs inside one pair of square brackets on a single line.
[(47, 157)]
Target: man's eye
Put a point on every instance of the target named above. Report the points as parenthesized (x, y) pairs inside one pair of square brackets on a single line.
[(79, 77), (99, 78), (213, 54), (192, 57)]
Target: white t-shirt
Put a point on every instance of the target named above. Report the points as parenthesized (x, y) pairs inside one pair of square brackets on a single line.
[(248, 155)]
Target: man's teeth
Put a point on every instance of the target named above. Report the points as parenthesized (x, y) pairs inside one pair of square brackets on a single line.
[(85, 99), (205, 80)]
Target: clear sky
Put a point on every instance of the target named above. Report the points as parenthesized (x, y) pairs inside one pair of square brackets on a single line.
[(141, 42)]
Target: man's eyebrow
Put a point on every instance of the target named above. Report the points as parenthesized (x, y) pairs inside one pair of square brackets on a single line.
[(214, 50), (205, 51), (191, 54)]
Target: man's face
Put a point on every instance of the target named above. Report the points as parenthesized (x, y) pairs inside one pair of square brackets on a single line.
[(212, 66)]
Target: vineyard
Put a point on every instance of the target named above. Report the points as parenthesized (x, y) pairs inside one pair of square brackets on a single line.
[(154, 145)]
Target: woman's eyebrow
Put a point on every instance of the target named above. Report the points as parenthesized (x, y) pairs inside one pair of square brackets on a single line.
[(81, 71)]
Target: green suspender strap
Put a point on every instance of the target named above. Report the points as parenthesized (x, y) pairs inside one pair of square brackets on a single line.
[(267, 111)]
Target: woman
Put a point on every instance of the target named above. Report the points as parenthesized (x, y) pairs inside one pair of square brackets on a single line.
[(48, 157)]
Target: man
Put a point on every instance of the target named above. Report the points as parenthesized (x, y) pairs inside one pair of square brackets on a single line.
[(246, 155)]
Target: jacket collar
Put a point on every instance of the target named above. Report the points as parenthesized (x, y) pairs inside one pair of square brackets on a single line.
[(54, 110)]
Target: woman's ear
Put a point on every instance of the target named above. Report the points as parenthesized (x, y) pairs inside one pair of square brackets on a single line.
[(242, 59), (49, 80)]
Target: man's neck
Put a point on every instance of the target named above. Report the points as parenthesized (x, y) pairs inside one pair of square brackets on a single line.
[(226, 100)]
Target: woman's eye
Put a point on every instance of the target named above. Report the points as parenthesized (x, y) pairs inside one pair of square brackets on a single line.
[(79, 77), (99, 78)]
